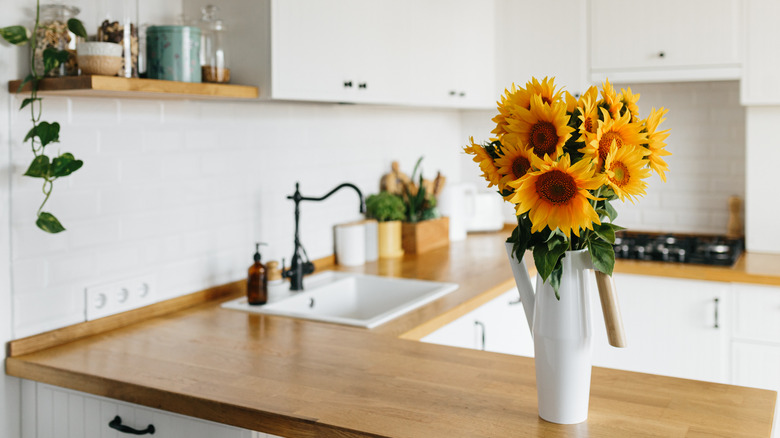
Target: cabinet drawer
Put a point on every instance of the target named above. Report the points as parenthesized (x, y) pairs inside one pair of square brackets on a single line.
[(63, 413), (757, 312)]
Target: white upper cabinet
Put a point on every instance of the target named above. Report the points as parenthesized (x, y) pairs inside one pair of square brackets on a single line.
[(401, 52), (541, 38), (665, 40), (762, 53)]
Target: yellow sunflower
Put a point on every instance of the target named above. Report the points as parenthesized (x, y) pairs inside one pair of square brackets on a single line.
[(571, 102), (543, 127), (612, 133), (611, 98), (486, 163), (514, 164), (655, 142), (520, 98), (629, 100), (625, 171), (592, 94), (556, 196), (589, 116)]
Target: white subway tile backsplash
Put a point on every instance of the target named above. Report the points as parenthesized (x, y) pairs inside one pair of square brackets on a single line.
[(71, 267), (93, 112)]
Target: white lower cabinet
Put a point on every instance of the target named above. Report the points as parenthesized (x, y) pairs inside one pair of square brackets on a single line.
[(499, 326), (54, 412), (674, 327)]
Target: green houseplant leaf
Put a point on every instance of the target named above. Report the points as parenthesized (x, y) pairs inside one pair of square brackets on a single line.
[(64, 165), (39, 168), (17, 35), (47, 222), (77, 27)]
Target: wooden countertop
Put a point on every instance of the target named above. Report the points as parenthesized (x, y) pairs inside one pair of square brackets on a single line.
[(304, 379)]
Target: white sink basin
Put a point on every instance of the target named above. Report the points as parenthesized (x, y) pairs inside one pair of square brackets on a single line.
[(346, 298)]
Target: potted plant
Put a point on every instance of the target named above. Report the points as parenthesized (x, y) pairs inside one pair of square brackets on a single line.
[(423, 228), (389, 210)]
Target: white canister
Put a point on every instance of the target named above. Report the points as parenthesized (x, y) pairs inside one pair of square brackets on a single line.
[(455, 201), (350, 244)]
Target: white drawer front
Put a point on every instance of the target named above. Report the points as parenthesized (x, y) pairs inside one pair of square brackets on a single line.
[(62, 413), (757, 312)]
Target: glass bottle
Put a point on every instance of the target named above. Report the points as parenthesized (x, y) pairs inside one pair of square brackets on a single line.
[(213, 53), (53, 33), (120, 25)]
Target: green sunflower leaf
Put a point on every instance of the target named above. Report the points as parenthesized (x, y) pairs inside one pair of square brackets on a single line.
[(603, 255), (546, 257), (555, 279), (47, 222)]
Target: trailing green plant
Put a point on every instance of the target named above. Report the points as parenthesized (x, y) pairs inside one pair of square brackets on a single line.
[(46, 165), (420, 205), (385, 206)]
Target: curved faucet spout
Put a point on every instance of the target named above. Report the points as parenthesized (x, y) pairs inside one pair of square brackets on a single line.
[(297, 195), (299, 267)]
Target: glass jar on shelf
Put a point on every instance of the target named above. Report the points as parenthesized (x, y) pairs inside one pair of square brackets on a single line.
[(53, 33), (120, 25), (213, 51)]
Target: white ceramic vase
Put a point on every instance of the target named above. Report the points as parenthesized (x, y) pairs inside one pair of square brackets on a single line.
[(562, 337)]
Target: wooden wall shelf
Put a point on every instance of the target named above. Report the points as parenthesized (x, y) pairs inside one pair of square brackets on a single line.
[(116, 87)]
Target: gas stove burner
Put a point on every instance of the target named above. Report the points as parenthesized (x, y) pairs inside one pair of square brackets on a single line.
[(702, 249)]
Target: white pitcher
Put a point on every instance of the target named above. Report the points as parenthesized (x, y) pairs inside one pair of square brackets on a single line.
[(562, 336)]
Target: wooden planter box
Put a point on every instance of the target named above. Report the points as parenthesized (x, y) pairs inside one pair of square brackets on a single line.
[(426, 235)]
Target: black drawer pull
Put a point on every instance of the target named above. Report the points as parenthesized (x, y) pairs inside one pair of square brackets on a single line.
[(116, 424)]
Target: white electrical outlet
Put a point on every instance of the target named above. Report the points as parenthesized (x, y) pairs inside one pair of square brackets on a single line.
[(119, 296)]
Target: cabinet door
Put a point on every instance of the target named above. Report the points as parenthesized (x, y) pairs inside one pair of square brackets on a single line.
[(499, 326), (63, 413), (520, 55), (673, 327), (452, 54), (762, 53), (311, 53), (664, 34), (758, 365)]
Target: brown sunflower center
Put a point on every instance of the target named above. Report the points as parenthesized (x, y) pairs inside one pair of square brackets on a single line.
[(605, 144), (621, 174), (556, 187), (589, 127), (520, 166), (543, 138)]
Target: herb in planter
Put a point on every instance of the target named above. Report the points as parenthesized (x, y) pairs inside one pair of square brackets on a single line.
[(46, 165), (385, 206)]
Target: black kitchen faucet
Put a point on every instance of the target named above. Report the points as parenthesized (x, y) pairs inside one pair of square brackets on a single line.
[(300, 264)]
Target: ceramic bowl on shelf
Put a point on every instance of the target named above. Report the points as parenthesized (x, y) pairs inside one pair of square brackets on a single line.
[(99, 58)]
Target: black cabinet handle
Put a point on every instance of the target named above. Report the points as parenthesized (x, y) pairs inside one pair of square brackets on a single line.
[(363, 85), (116, 424), (717, 305), (347, 84), (661, 54), (481, 325)]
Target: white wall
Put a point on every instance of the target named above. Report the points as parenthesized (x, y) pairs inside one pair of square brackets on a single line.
[(707, 166), (763, 203)]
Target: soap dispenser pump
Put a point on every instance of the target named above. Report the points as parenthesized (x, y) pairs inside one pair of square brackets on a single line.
[(257, 280)]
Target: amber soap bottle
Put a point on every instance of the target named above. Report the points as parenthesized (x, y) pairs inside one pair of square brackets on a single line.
[(257, 281)]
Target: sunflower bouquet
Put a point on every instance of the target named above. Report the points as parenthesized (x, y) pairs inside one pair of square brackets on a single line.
[(561, 161)]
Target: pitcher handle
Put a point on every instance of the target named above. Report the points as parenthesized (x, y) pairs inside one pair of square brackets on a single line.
[(616, 334), (524, 286)]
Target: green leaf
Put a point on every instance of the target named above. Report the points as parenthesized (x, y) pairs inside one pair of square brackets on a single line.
[(77, 27), (603, 256), (611, 213), (15, 34), (47, 222), (546, 257), (52, 58), (47, 132), (605, 231), (39, 168), (27, 79), (555, 280), (28, 101), (64, 165)]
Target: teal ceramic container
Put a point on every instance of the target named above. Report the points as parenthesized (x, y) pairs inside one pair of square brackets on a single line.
[(173, 53)]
